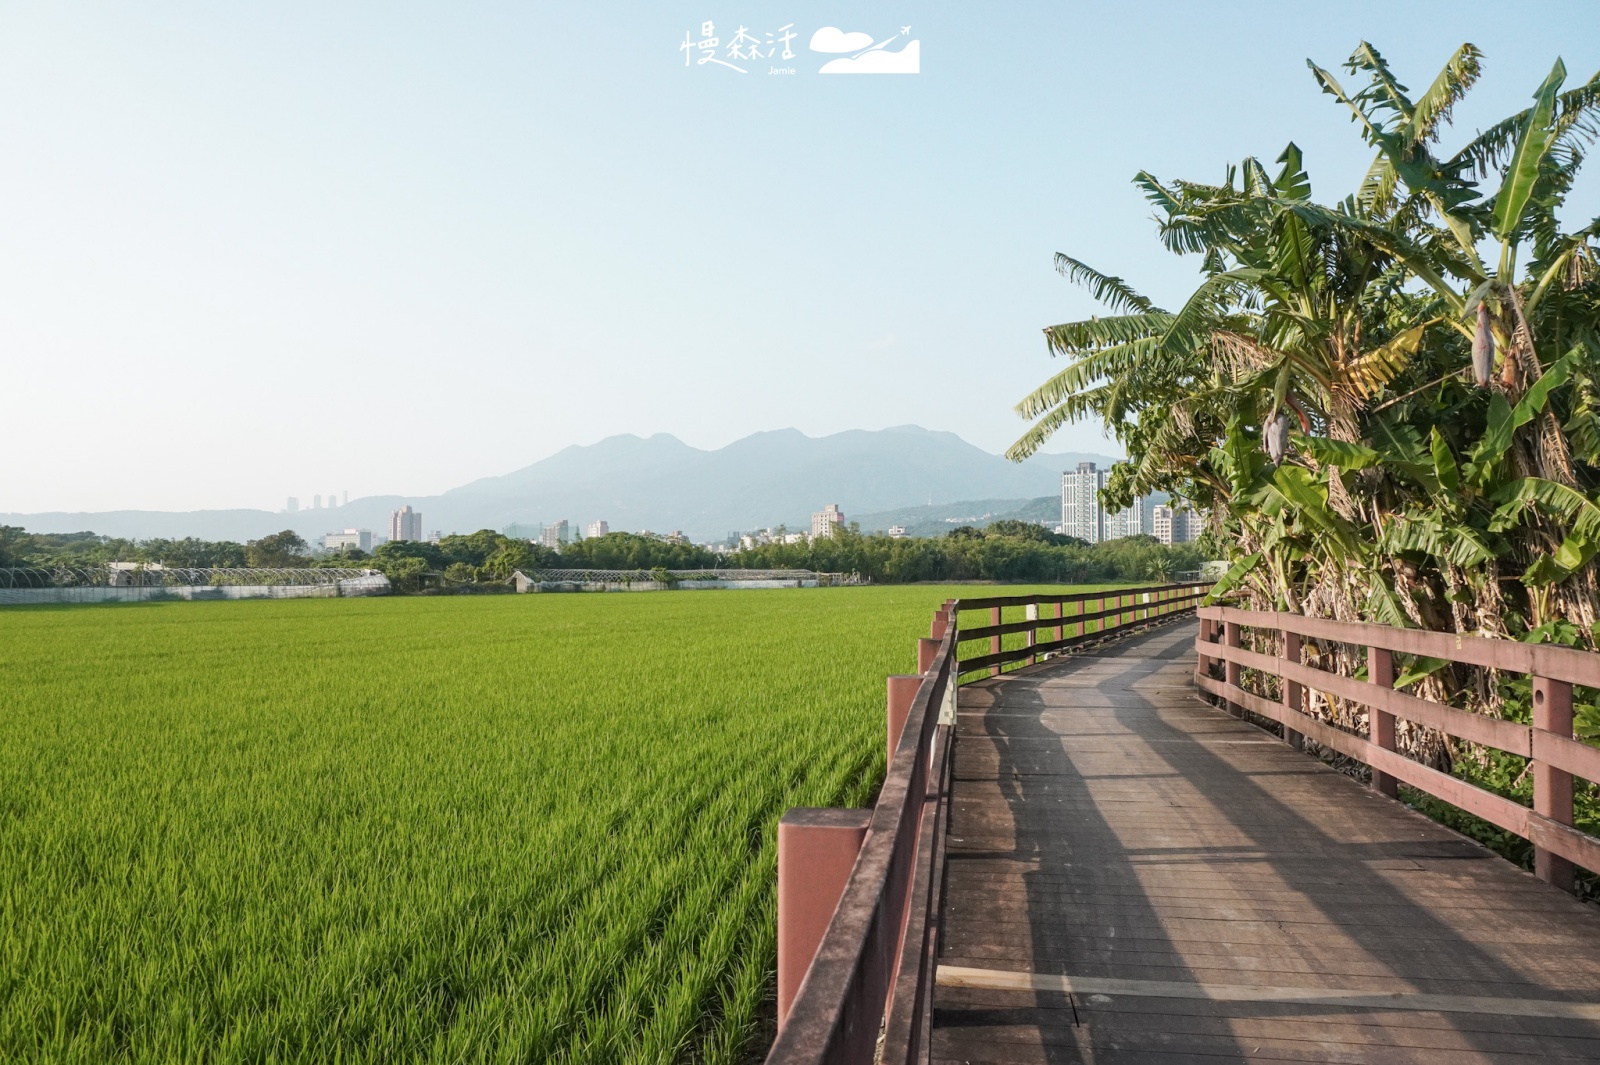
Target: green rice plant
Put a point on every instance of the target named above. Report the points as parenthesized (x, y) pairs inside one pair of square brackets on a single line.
[(533, 828)]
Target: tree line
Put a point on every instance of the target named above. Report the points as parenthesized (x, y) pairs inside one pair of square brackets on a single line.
[(1002, 551)]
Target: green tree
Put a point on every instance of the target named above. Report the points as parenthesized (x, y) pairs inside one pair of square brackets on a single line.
[(1381, 423), (284, 548)]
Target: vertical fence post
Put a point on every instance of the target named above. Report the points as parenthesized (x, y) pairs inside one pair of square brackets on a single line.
[(902, 691), (1061, 609), (994, 641), (817, 848), (1380, 725), (927, 650), (1202, 661), (1552, 787), (1232, 637), (1032, 613), (1293, 693)]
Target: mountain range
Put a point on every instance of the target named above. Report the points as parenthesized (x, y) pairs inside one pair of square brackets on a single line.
[(655, 482), (939, 518)]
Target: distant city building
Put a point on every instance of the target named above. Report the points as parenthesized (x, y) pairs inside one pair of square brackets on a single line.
[(1176, 525), (435, 536), (524, 531), (333, 500), (752, 540), (1080, 502), (360, 539), (316, 502), (1135, 521), (294, 505), (598, 529), (897, 532), (826, 521), (405, 524), (1161, 525), (554, 535), (1083, 516)]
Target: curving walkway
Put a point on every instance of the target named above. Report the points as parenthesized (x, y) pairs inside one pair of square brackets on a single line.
[(1135, 876)]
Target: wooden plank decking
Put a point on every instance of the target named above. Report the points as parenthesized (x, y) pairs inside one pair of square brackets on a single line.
[(1211, 895)]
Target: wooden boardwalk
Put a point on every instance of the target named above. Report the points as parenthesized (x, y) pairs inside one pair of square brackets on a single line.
[(1208, 894)]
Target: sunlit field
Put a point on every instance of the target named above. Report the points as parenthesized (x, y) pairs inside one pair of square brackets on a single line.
[(521, 828)]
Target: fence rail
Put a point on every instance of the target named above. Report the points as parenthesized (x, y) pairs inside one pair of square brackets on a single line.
[(1113, 609), (871, 970), (1556, 756)]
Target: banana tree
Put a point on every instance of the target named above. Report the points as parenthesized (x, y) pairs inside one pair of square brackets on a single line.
[(1390, 405)]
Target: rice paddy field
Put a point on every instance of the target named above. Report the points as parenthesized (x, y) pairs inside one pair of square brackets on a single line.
[(519, 829)]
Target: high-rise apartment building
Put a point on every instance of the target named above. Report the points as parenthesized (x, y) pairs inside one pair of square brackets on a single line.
[(405, 524), (294, 505), (826, 521), (316, 502), (1179, 524), (1080, 502), (597, 529), (1137, 520), (1083, 516), (554, 535)]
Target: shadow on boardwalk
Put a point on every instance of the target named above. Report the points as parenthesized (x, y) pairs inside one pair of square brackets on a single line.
[(1108, 825)]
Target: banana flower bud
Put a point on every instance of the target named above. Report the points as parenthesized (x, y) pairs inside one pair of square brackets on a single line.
[(1482, 348)]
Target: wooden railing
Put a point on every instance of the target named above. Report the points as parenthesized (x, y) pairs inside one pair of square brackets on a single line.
[(871, 970), (1555, 755), (1112, 609)]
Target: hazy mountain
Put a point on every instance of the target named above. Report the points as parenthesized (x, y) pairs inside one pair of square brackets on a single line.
[(657, 483), (940, 518)]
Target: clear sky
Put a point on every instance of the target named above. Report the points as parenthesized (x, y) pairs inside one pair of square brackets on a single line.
[(253, 251)]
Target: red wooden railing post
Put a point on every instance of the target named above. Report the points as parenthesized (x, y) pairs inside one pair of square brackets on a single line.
[(1232, 637), (927, 650), (994, 641), (902, 690), (1293, 693), (817, 848), (1061, 610), (1380, 725), (1552, 787), (1202, 661)]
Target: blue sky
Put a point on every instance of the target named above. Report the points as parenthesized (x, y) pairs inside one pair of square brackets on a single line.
[(247, 253)]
